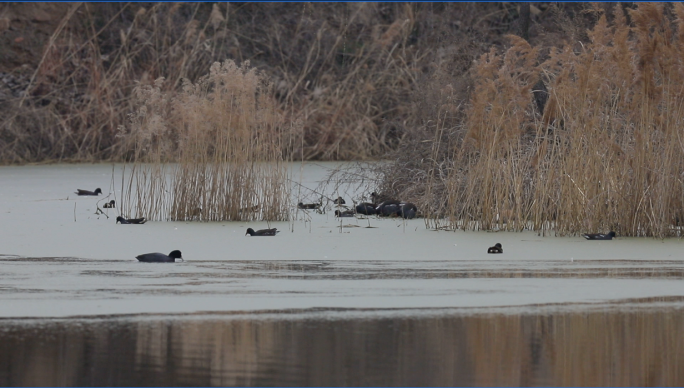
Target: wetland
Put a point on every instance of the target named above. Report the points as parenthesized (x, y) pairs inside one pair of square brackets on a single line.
[(325, 302)]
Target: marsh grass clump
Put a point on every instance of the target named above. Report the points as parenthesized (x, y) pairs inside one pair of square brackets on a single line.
[(604, 153), (227, 140)]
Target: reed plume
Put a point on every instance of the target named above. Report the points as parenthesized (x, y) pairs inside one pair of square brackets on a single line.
[(229, 142), (606, 151)]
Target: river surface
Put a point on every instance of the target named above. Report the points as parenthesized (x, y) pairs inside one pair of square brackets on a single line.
[(354, 301)]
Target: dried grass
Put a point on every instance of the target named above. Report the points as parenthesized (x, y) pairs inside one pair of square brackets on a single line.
[(605, 154), (214, 151), (347, 71)]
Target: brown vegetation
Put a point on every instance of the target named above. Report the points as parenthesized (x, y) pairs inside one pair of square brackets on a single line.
[(478, 145), (604, 154), (229, 143), (355, 74)]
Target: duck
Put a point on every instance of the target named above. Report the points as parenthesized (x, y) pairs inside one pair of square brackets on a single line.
[(339, 201), (407, 210), (366, 208), (388, 208), (308, 205), (109, 205), (345, 213), (262, 232), (599, 236), (249, 209), (377, 198), (97, 191), (127, 221), (160, 257), (497, 248)]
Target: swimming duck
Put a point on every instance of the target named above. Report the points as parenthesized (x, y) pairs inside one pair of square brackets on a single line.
[(262, 232), (339, 201), (497, 248), (126, 221), (599, 236), (365, 208), (109, 205), (88, 192), (308, 205), (160, 257), (407, 210), (345, 213)]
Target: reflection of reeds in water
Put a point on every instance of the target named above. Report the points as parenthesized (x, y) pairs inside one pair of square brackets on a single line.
[(561, 349), (584, 348), (227, 138)]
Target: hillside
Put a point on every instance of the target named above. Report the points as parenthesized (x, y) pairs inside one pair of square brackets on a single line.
[(357, 78)]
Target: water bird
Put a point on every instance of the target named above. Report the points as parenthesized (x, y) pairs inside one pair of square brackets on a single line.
[(599, 236), (308, 205), (377, 198), (380, 198), (388, 208), (160, 257), (250, 209), (339, 201), (345, 213), (365, 208), (194, 214), (88, 192), (127, 221), (109, 205), (497, 248), (407, 210), (262, 232)]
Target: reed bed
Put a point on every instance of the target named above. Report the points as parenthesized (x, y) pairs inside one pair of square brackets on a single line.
[(214, 151), (605, 152)]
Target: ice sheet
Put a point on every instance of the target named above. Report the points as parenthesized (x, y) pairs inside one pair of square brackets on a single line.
[(61, 259)]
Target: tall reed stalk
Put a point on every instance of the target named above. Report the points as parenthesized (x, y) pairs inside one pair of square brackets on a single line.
[(607, 152), (229, 142)]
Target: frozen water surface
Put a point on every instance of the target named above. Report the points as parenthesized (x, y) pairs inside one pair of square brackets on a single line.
[(60, 259), (68, 277)]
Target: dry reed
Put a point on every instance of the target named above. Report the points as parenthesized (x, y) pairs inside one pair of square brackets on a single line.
[(228, 140), (606, 153), (348, 71)]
